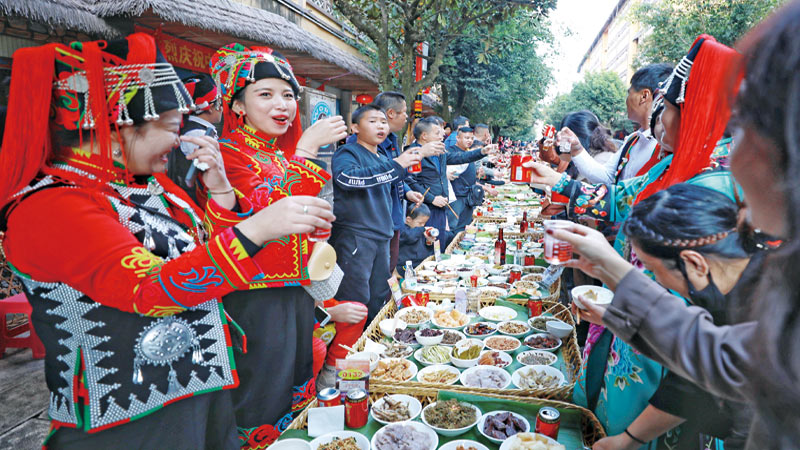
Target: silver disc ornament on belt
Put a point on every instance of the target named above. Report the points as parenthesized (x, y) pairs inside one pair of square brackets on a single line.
[(161, 344)]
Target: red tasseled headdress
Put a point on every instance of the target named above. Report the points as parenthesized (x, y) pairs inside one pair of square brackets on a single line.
[(704, 114)]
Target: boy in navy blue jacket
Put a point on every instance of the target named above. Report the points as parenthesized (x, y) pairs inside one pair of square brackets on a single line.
[(415, 245), (362, 205)]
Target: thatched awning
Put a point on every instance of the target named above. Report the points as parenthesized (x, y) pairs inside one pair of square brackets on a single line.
[(214, 22), (69, 14)]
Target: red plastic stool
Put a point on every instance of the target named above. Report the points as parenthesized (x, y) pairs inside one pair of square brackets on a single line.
[(9, 337)]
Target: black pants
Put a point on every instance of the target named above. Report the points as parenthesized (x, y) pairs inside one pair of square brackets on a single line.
[(365, 263), (201, 422)]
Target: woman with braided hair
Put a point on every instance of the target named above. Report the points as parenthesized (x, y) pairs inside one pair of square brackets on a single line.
[(687, 236)]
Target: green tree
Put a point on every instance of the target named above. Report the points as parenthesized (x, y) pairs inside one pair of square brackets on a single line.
[(499, 78), (676, 23), (396, 27), (602, 93)]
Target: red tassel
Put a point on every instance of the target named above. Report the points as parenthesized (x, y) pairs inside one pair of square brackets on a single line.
[(27, 145)]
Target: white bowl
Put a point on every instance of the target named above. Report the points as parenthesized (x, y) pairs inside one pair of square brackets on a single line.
[(429, 265), (513, 441), (463, 336), (465, 443), (558, 328), (465, 363), (401, 314), (418, 426), (361, 440), (418, 356), (495, 440), (493, 339), (438, 324), (454, 431), (480, 336), (429, 340), (497, 370), (550, 356), (497, 313), (498, 279), (437, 368), (552, 349), (520, 322), (411, 367), (550, 370), (367, 356), (505, 357), (604, 296), (386, 326), (414, 406), (290, 444)]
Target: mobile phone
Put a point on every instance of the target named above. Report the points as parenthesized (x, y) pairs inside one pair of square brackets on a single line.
[(322, 316), (192, 173)]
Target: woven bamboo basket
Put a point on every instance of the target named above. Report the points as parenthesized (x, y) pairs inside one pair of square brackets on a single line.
[(570, 351), (591, 427)]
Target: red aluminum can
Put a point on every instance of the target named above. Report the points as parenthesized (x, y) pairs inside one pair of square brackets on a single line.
[(519, 174), (416, 168), (515, 275), (356, 408), (534, 307), (329, 397), (423, 297), (548, 421), (473, 280)]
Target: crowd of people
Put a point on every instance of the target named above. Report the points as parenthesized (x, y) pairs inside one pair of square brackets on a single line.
[(165, 231)]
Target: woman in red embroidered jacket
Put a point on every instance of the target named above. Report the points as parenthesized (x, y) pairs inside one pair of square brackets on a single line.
[(116, 260), (266, 162)]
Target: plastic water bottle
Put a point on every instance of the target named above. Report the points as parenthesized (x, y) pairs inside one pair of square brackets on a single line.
[(410, 277)]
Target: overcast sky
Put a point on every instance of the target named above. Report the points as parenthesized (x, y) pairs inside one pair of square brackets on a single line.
[(583, 18)]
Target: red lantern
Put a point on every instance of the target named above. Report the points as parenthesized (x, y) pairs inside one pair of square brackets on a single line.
[(363, 99)]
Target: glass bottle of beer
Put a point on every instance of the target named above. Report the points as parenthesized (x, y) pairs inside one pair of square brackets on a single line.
[(500, 249)]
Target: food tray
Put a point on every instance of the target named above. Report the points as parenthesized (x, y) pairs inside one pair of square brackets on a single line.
[(570, 353), (590, 427)]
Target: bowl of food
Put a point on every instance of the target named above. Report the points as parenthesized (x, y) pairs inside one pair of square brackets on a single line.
[(539, 323), (497, 426), (532, 277), (415, 316), (502, 343), (337, 440), (538, 377), (451, 337), (496, 270), (366, 356), (434, 354), (394, 370), (497, 279), (485, 377), (595, 294), (495, 358), (388, 326), (429, 265), (395, 408), (537, 358), (558, 328), (463, 444), (543, 341), (406, 336), (397, 350), (525, 441), (450, 417), (451, 320), (429, 336), (480, 329), (407, 435), (438, 374), (497, 313), (515, 328), (466, 353), (290, 444)]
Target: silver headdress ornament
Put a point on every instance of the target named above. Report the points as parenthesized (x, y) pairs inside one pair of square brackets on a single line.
[(124, 82), (681, 72)]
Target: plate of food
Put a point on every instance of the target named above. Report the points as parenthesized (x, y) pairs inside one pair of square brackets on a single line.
[(463, 444), (538, 377), (502, 343), (397, 350), (406, 435), (595, 294), (438, 374), (497, 313), (497, 426), (406, 336), (543, 341), (514, 328), (394, 370), (537, 358), (341, 440), (451, 319), (434, 354), (480, 329), (495, 358), (450, 337), (414, 316), (539, 323), (395, 408), (531, 441), (450, 417), (485, 377)]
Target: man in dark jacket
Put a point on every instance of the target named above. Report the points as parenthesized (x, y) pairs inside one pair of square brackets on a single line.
[(463, 182)]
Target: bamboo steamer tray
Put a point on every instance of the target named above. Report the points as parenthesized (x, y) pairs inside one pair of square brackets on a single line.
[(591, 428), (569, 348)]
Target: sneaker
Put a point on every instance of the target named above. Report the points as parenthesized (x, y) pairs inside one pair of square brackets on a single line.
[(326, 378)]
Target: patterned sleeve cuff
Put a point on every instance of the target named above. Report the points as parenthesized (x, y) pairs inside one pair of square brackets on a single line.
[(229, 256), (309, 168), (219, 218)]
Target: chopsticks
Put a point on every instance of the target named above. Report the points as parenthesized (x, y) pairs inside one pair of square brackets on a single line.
[(348, 348), (423, 198), (452, 210)]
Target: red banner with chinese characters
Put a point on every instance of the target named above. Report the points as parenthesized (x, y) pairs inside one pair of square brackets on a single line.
[(180, 52)]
